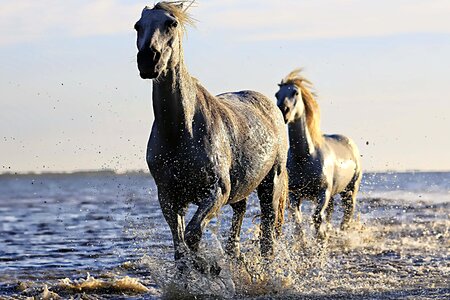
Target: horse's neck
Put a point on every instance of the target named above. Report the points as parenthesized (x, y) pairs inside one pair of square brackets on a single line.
[(174, 100), (300, 140)]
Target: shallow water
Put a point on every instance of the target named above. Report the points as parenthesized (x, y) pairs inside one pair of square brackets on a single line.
[(102, 236)]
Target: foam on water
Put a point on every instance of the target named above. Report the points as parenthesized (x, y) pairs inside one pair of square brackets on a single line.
[(65, 288)]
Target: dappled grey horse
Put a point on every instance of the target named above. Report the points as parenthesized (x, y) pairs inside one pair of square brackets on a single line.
[(204, 149), (320, 166)]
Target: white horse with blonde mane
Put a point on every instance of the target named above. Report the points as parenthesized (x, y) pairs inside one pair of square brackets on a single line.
[(319, 166)]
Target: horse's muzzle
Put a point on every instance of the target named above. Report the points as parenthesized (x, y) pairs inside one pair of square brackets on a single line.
[(147, 60), (285, 112)]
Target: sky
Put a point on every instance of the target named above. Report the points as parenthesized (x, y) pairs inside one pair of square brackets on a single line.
[(71, 97)]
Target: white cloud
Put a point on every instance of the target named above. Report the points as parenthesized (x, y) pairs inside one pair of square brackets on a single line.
[(23, 21), (28, 20), (294, 20)]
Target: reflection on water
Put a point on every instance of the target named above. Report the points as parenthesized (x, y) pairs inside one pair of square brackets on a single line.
[(102, 236)]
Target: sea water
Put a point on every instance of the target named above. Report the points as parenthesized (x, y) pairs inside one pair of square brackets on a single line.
[(102, 236)]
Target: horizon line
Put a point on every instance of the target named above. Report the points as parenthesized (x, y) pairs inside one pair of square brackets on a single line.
[(146, 172)]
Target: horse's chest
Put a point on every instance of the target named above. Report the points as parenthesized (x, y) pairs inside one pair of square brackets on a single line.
[(306, 177), (180, 169)]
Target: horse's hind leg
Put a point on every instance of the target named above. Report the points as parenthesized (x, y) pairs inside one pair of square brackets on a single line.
[(232, 247), (349, 201), (271, 191)]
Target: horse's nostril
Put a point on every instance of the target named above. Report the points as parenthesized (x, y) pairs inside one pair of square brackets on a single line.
[(155, 52), (157, 55)]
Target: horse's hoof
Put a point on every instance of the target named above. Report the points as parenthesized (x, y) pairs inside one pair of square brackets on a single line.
[(241, 259), (233, 252), (215, 269), (345, 226), (205, 267), (182, 266), (200, 264)]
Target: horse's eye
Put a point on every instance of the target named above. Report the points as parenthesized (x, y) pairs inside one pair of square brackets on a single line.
[(171, 23), (296, 93)]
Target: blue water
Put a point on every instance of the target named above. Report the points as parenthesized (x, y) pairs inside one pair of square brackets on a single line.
[(58, 226)]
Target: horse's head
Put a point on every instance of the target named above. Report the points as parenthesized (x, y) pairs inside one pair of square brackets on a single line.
[(290, 102), (158, 33)]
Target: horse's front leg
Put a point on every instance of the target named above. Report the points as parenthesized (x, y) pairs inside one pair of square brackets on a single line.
[(207, 209), (232, 247), (330, 210), (320, 214), (295, 200), (174, 215)]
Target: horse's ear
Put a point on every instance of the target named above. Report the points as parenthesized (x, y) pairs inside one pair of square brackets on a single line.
[(180, 5)]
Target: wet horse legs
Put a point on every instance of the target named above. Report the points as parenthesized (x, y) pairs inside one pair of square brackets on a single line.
[(320, 213), (330, 210), (295, 201), (233, 247), (174, 216), (269, 194), (187, 241), (349, 201), (205, 212)]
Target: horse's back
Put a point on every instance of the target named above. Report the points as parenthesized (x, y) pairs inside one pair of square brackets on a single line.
[(347, 160), (257, 130), (250, 100), (256, 113), (343, 147)]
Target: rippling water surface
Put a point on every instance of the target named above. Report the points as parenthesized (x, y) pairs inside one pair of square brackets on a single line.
[(102, 236)]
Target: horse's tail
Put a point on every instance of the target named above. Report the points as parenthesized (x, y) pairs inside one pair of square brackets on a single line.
[(284, 192)]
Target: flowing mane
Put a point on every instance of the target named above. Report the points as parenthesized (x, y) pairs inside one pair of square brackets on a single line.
[(176, 9), (312, 109)]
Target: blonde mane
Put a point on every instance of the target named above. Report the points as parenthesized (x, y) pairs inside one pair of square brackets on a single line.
[(176, 9), (312, 109)]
